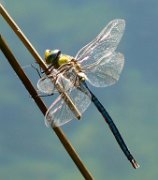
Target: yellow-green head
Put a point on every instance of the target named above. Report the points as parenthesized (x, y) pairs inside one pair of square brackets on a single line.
[(55, 58)]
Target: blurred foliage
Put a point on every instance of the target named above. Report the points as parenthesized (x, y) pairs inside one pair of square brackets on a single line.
[(28, 150)]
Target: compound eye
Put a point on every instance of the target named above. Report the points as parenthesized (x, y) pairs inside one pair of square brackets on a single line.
[(51, 56)]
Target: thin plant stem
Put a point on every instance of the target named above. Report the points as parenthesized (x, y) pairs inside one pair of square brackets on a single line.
[(38, 59), (28, 85)]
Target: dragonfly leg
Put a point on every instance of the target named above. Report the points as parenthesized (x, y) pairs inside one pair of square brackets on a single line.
[(45, 95), (37, 70), (45, 71), (64, 68)]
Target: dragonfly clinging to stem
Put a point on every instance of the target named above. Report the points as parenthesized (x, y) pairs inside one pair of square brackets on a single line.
[(99, 64)]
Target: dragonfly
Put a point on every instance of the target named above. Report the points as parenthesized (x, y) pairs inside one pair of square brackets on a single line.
[(97, 63)]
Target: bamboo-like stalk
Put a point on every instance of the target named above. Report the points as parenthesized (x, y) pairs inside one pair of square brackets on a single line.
[(27, 83), (38, 59)]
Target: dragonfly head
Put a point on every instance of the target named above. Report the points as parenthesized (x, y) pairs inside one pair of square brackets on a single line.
[(52, 56)]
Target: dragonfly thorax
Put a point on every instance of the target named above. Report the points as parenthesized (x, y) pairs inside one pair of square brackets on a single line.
[(78, 70), (65, 64), (73, 71)]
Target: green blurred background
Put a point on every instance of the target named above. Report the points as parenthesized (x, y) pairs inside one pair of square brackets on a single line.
[(29, 150)]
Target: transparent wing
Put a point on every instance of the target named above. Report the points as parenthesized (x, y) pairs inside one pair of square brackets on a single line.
[(59, 113), (106, 71), (105, 43), (46, 84)]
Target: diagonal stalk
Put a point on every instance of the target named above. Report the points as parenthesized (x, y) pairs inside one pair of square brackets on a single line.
[(38, 59), (28, 85)]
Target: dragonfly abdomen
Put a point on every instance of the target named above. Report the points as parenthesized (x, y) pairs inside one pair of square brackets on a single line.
[(113, 128)]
